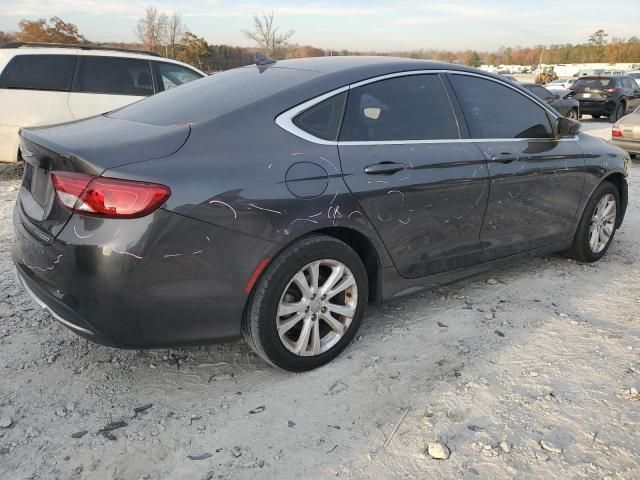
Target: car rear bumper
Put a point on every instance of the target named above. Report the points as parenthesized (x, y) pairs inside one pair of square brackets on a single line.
[(598, 108), (627, 145), (160, 281)]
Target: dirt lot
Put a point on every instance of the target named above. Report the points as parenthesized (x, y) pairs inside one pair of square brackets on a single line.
[(528, 372)]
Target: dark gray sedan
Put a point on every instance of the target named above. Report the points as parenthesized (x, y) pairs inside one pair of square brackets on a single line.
[(276, 201), (567, 107)]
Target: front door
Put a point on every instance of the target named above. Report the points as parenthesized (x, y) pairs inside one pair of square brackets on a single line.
[(536, 180), (423, 189)]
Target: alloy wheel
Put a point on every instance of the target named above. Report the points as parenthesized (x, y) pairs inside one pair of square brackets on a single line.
[(602, 223), (317, 307)]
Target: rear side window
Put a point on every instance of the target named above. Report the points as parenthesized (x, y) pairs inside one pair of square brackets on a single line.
[(414, 107), (323, 120), (118, 76), (172, 75), (540, 91), (494, 110), (39, 72)]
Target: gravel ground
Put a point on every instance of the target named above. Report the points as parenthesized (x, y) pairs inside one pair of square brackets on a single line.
[(531, 371)]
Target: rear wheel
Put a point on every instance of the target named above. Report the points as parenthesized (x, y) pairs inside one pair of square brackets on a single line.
[(308, 304), (597, 226), (572, 114), (617, 114)]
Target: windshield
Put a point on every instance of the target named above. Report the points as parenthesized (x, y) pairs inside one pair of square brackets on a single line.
[(212, 96), (592, 83)]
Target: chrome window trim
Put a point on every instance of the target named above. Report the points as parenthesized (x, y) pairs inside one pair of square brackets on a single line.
[(285, 119)]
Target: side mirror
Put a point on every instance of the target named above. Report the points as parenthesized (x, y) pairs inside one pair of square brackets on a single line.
[(567, 127)]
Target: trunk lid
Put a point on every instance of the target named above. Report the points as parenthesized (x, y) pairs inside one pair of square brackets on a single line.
[(90, 146), (592, 88)]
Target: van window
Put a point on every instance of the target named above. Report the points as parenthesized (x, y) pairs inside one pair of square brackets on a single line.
[(39, 72), (113, 75), (172, 75)]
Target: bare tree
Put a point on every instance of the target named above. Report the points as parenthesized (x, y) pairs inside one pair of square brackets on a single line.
[(174, 31), (151, 29), (267, 35)]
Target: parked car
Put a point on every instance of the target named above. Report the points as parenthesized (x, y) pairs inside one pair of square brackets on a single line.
[(42, 84), (590, 73), (612, 96), (567, 107), (626, 133), (509, 77), (635, 75), (560, 84), (276, 201)]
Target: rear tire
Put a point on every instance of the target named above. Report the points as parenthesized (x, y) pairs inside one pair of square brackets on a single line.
[(293, 322), (617, 114), (584, 249)]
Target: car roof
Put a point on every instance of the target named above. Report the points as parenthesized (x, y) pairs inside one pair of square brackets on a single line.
[(279, 86), (333, 64), (8, 52)]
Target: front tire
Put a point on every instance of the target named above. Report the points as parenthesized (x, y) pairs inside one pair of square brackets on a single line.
[(598, 225), (308, 304)]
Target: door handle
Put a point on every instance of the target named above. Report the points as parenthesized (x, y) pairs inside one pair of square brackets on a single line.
[(504, 158), (384, 168)]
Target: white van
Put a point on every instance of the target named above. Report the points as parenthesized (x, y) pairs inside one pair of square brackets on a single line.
[(43, 84)]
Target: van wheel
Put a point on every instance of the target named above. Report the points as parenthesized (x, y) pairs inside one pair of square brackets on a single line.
[(308, 304), (597, 226), (572, 114)]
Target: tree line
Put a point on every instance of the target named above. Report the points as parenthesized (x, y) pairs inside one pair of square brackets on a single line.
[(169, 36)]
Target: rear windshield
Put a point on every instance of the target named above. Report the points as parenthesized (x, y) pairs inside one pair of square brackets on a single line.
[(211, 96), (592, 83)]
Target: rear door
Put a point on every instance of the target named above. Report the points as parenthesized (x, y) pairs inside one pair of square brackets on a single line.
[(421, 185), (632, 91), (536, 180), (102, 84), (34, 90)]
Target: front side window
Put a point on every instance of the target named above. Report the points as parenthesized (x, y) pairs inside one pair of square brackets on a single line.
[(414, 107), (172, 75), (39, 72), (494, 110), (113, 75), (323, 119)]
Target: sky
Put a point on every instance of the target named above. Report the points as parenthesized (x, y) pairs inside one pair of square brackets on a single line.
[(353, 25)]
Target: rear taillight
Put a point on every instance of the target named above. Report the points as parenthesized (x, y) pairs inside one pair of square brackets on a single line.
[(616, 132), (107, 197)]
